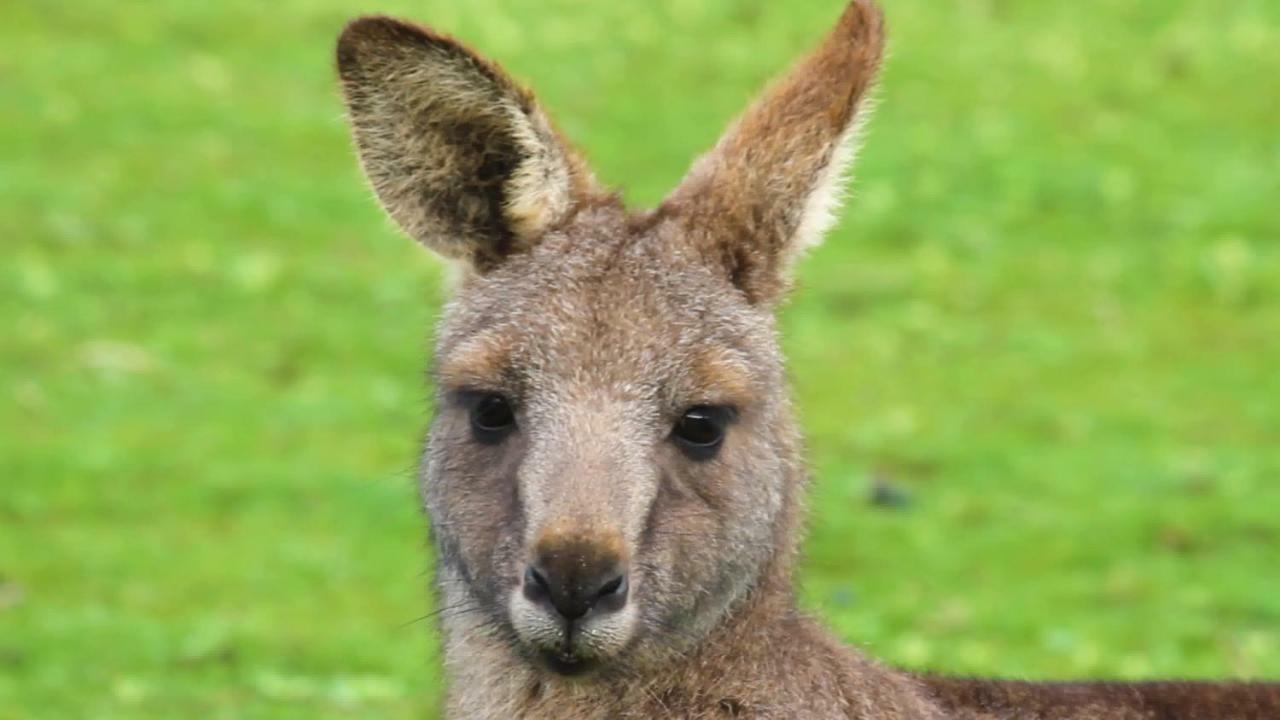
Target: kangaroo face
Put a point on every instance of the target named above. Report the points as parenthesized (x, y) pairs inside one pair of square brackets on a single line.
[(612, 451), (604, 466)]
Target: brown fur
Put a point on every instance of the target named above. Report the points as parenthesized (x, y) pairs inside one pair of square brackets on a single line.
[(601, 327), (982, 699)]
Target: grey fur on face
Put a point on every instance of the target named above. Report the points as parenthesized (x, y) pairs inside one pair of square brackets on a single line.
[(600, 350)]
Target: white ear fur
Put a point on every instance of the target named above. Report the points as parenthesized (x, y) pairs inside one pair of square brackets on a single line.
[(821, 208), (539, 191)]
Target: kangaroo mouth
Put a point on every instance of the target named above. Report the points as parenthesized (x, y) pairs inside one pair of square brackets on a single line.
[(567, 665), (567, 659)]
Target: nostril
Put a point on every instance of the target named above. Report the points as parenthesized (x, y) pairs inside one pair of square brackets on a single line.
[(535, 584), (612, 596), (616, 586)]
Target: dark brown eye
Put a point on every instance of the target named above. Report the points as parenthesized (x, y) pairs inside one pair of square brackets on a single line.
[(700, 431), (492, 418)]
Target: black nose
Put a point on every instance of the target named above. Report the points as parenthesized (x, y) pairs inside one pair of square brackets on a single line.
[(576, 587)]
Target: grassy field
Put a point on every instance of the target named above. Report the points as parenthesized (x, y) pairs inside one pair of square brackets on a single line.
[(1050, 322)]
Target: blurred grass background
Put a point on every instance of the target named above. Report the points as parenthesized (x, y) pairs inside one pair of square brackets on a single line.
[(1046, 337)]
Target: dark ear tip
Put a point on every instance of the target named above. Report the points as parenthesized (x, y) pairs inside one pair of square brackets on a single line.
[(359, 36), (379, 28), (373, 35)]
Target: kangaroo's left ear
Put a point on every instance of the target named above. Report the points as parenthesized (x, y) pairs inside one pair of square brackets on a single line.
[(770, 186), (460, 155)]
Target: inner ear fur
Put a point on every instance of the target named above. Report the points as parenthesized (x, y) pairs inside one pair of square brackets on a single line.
[(459, 155), (770, 186)]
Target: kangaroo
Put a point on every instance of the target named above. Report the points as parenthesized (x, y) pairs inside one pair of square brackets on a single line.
[(613, 475)]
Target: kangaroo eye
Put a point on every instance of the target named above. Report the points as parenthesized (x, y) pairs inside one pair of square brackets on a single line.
[(492, 418), (700, 431)]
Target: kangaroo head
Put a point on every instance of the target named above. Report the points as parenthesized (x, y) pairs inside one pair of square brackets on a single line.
[(612, 466)]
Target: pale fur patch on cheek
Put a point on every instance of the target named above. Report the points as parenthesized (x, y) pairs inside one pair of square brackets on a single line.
[(604, 636), (532, 624)]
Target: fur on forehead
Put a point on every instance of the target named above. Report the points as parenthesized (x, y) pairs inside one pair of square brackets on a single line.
[(618, 302)]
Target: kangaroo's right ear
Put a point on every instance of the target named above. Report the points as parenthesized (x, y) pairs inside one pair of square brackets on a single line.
[(458, 154)]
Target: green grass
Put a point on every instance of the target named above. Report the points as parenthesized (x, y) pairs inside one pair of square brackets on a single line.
[(1051, 317)]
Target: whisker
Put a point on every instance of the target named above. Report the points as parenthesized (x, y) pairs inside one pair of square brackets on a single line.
[(439, 611)]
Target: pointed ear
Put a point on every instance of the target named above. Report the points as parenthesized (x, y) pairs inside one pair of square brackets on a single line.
[(459, 155), (771, 184)]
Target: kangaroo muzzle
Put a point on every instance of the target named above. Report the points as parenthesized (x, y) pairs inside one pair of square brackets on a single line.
[(577, 572)]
